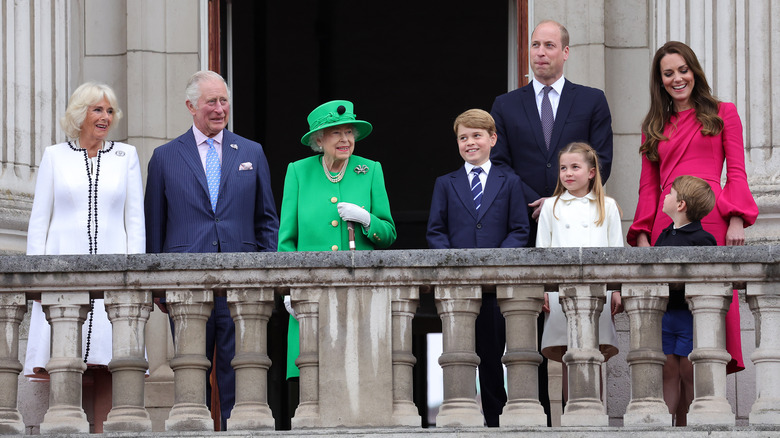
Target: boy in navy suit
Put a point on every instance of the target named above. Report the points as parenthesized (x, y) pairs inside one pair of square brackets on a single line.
[(689, 200), (481, 206)]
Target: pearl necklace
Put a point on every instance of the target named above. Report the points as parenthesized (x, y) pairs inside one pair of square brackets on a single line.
[(339, 176)]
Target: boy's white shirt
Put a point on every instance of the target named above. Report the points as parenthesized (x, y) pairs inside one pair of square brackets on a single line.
[(482, 176)]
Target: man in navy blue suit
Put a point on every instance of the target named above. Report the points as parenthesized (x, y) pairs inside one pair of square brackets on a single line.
[(210, 191), (536, 121), (481, 206)]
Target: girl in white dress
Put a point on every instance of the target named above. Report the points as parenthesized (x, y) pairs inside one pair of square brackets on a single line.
[(88, 200), (578, 215)]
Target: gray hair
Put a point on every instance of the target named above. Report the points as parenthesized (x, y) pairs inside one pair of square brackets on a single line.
[(317, 135), (87, 94), (192, 91)]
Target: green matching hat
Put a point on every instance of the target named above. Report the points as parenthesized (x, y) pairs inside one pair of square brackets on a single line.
[(334, 113)]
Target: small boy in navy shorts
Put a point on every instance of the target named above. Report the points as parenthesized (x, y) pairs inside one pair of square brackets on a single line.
[(689, 200)]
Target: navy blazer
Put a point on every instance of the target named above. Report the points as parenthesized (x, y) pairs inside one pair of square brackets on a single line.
[(692, 234), (178, 211), (583, 115), (502, 222)]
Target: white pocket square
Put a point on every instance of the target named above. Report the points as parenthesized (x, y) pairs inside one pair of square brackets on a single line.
[(245, 166)]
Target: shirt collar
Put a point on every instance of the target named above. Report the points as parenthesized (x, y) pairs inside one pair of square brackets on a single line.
[(557, 86), (566, 196), (200, 137), (485, 167)]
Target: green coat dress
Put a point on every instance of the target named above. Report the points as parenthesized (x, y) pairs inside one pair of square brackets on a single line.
[(310, 221)]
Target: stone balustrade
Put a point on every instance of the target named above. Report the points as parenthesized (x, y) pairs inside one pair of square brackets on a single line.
[(355, 311)]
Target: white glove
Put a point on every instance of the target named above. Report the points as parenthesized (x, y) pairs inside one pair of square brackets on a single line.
[(353, 213), (288, 306)]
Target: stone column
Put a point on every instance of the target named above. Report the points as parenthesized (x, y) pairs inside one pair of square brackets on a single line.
[(251, 309), (582, 304), (128, 312), (764, 301), (520, 306), (306, 303), (66, 313), (458, 307), (12, 309), (709, 303), (404, 305), (189, 309), (645, 305)]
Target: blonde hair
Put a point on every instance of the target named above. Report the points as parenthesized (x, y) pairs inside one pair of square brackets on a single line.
[(476, 119), (697, 194), (87, 94), (595, 185)]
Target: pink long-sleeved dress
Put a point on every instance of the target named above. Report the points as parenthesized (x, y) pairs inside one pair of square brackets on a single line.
[(689, 152)]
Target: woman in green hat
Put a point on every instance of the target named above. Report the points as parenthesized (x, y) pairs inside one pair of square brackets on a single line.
[(324, 192)]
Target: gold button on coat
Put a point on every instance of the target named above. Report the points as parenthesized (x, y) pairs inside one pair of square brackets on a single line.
[(335, 223), (334, 247), (334, 200)]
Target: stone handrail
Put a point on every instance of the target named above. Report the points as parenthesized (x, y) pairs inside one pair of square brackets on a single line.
[(355, 311)]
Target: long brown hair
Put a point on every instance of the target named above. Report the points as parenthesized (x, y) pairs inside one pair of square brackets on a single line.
[(662, 106), (594, 185)]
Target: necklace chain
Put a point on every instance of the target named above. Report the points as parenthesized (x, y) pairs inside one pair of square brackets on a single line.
[(339, 176)]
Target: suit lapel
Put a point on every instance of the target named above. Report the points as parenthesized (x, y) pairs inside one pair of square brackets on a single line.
[(564, 106), (461, 187), (495, 181), (190, 155), (229, 158), (532, 114)]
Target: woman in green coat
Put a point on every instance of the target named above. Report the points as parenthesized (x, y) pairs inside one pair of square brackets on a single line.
[(324, 192)]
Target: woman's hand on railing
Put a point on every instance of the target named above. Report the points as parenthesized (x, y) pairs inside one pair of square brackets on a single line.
[(617, 303), (546, 305)]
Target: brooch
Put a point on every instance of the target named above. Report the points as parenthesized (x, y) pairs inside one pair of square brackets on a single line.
[(120, 153), (234, 146), (361, 169)]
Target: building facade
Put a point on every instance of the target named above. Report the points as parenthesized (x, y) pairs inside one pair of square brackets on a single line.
[(146, 50)]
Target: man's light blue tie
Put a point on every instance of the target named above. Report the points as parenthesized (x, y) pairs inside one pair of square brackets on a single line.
[(476, 188), (213, 173)]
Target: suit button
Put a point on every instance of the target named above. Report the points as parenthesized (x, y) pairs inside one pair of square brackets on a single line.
[(334, 200), (335, 223), (674, 232), (216, 219), (334, 248), (549, 165), (479, 226), (214, 243)]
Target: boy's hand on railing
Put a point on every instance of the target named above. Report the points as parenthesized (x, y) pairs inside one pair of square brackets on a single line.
[(617, 303)]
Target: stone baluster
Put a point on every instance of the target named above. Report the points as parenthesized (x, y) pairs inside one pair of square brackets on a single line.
[(520, 306), (764, 301), (582, 304), (66, 313), (128, 312), (645, 305), (12, 309), (709, 303), (404, 305), (251, 309), (190, 309), (306, 303), (458, 307)]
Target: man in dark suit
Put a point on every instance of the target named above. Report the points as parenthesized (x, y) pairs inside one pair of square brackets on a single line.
[(481, 206), (210, 191), (536, 121)]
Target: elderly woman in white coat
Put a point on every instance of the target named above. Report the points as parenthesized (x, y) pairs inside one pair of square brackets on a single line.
[(88, 200)]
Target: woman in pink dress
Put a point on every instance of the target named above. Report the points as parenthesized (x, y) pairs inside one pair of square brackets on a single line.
[(689, 132)]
